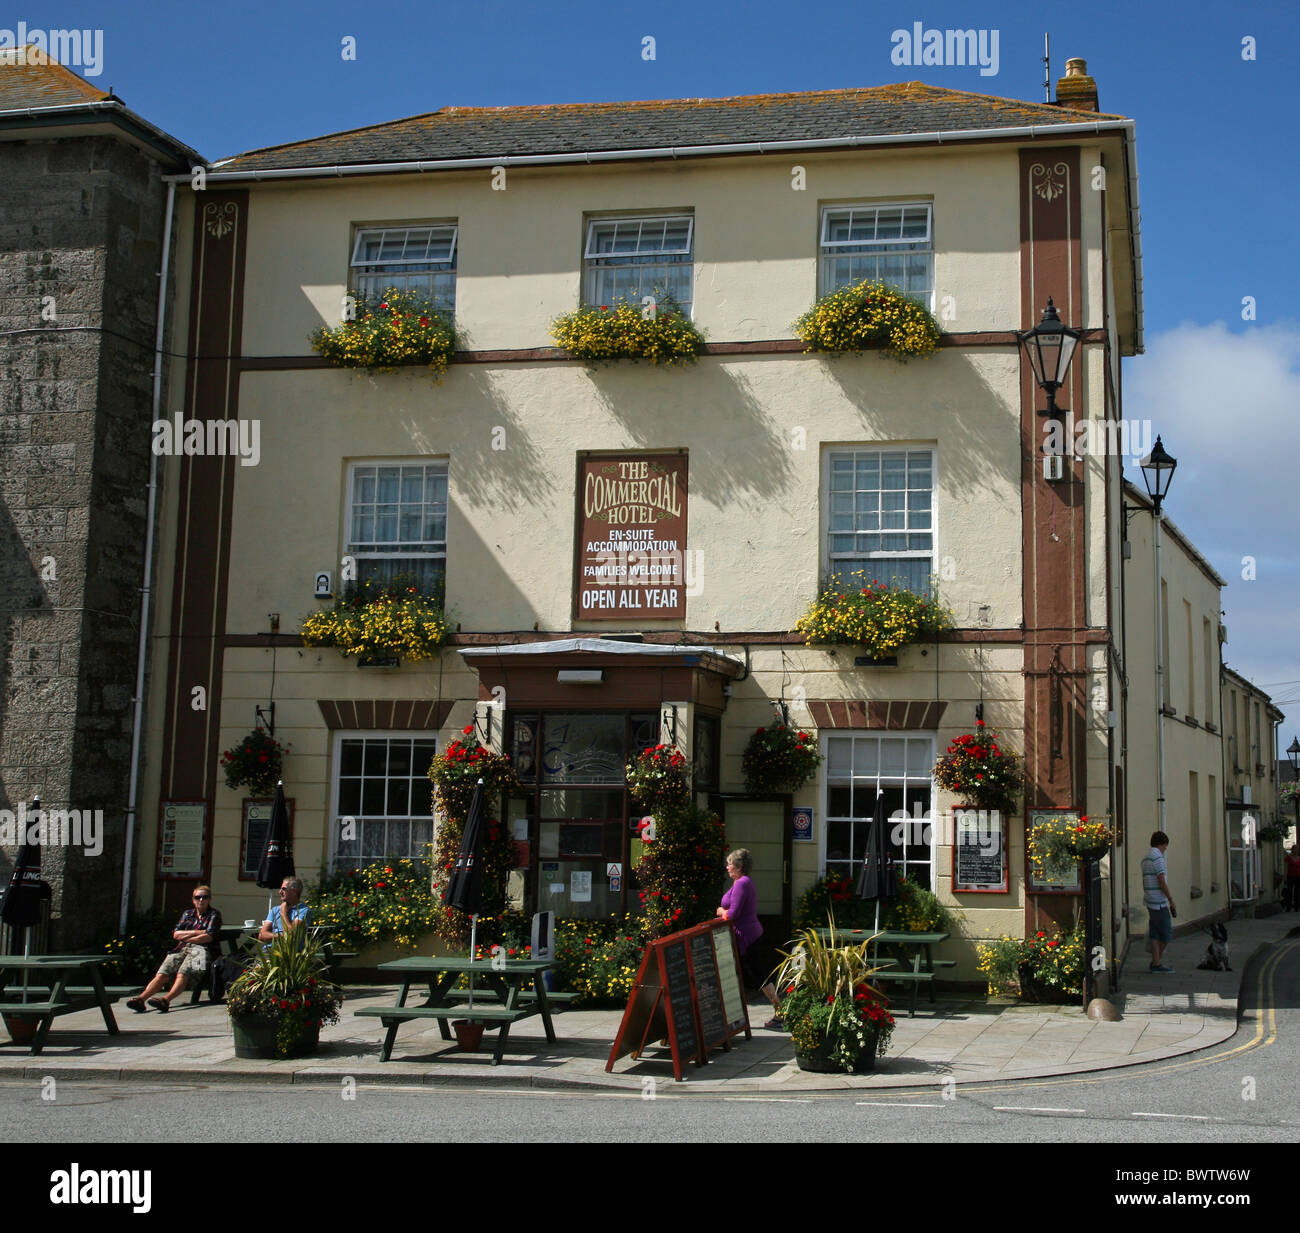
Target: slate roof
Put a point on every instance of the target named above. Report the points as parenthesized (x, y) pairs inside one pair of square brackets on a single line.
[(501, 132), (40, 82)]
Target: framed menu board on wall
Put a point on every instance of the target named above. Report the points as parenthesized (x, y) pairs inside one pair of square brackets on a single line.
[(979, 854), (182, 839)]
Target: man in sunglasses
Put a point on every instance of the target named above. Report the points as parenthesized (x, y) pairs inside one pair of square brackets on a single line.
[(187, 962), (289, 912)]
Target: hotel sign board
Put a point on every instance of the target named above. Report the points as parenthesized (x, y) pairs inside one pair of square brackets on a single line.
[(631, 546)]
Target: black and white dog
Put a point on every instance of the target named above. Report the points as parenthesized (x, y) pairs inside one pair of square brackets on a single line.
[(1216, 954)]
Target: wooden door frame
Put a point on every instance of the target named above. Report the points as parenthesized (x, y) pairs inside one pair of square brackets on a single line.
[(779, 934)]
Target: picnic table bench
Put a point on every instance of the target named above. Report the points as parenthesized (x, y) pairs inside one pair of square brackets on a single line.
[(55, 991), (502, 981), (923, 966)]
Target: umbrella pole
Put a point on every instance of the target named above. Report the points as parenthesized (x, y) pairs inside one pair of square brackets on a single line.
[(27, 953), (473, 950)]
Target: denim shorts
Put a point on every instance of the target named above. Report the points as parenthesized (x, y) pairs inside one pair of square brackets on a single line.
[(1160, 925)]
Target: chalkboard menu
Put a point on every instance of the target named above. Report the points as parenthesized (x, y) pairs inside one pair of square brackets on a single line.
[(681, 1011), (979, 857), (688, 992), (708, 990)]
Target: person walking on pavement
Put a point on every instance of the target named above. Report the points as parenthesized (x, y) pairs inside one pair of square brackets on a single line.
[(1292, 902), (1159, 901)]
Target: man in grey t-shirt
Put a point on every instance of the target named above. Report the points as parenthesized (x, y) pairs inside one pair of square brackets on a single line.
[(1159, 901)]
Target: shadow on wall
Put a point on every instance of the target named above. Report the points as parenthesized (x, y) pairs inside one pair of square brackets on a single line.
[(744, 458), (23, 595)]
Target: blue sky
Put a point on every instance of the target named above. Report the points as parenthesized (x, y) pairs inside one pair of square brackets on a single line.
[(1216, 142)]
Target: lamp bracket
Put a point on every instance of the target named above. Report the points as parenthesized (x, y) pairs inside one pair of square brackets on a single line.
[(267, 717)]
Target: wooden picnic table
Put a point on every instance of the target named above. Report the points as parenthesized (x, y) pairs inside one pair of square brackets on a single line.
[(918, 967), (500, 985), (54, 993)]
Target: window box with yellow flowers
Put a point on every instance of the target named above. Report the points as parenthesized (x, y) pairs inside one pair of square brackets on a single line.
[(869, 316), (654, 328), (881, 618), (398, 329), (378, 621)]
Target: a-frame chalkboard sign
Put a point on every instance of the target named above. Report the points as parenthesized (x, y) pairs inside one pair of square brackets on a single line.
[(689, 992)]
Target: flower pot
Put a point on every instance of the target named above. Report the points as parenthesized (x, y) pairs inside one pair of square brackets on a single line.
[(469, 1035), (821, 1060), (1090, 852), (255, 1037), (22, 1030), (866, 1059)]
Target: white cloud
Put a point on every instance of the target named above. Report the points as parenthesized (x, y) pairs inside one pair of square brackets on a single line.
[(1228, 408)]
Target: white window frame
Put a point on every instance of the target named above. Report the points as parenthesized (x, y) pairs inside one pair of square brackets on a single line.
[(877, 734), (396, 553), (829, 454), (336, 769), (593, 262), (366, 284), (828, 249)]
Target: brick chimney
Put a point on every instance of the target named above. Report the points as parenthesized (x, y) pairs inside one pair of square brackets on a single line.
[(1076, 89)]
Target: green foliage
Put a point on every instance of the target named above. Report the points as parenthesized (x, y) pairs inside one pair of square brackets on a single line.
[(657, 778), (286, 982), (870, 315), (880, 618), (627, 330), (388, 900), (455, 772), (135, 955), (379, 619), (1042, 967), (779, 759), (827, 995), (914, 909), (980, 771), (682, 871), (254, 762), (393, 330)]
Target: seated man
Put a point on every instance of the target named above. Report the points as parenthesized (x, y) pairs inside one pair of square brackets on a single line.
[(229, 967), (298, 913), (188, 961)]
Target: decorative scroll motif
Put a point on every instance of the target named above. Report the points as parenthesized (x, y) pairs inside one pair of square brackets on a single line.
[(1056, 710), (219, 219), (1049, 184)]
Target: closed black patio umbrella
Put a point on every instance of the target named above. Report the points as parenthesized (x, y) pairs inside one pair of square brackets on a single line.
[(22, 903), (277, 858), (464, 889), (876, 879)]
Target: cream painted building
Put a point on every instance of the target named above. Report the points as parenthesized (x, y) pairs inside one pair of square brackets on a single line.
[(792, 464)]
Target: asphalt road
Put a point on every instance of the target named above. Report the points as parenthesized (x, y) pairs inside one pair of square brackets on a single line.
[(1229, 1099)]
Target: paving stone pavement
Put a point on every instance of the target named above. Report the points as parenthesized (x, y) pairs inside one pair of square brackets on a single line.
[(962, 1037)]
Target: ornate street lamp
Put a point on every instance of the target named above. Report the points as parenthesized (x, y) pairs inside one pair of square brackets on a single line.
[(1158, 472), (1050, 347), (1293, 756)]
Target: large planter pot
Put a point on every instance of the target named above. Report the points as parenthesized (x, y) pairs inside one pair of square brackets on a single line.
[(255, 1037), (822, 1060), (1033, 990), (22, 1030)]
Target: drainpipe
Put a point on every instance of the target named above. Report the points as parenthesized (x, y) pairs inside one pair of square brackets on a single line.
[(1160, 676), (142, 650)]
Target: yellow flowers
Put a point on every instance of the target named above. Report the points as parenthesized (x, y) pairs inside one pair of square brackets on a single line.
[(627, 330), (380, 620), (398, 329), (876, 616), (869, 315)]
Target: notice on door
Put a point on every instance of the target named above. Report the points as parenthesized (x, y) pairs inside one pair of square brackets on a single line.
[(631, 548)]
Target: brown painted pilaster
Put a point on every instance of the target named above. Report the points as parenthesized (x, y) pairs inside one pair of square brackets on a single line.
[(1053, 532), (191, 738)]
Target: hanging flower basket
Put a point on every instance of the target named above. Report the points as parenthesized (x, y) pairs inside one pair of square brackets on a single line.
[(657, 778), (779, 759), (977, 768), (397, 329), (880, 618), (870, 316), (1089, 839), (254, 763), (1059, 841), (656, 330)]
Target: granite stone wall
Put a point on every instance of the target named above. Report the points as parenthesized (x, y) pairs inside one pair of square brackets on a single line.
[(80, 245)]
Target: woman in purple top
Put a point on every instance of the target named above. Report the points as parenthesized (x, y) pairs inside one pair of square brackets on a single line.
[(740, 907)]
